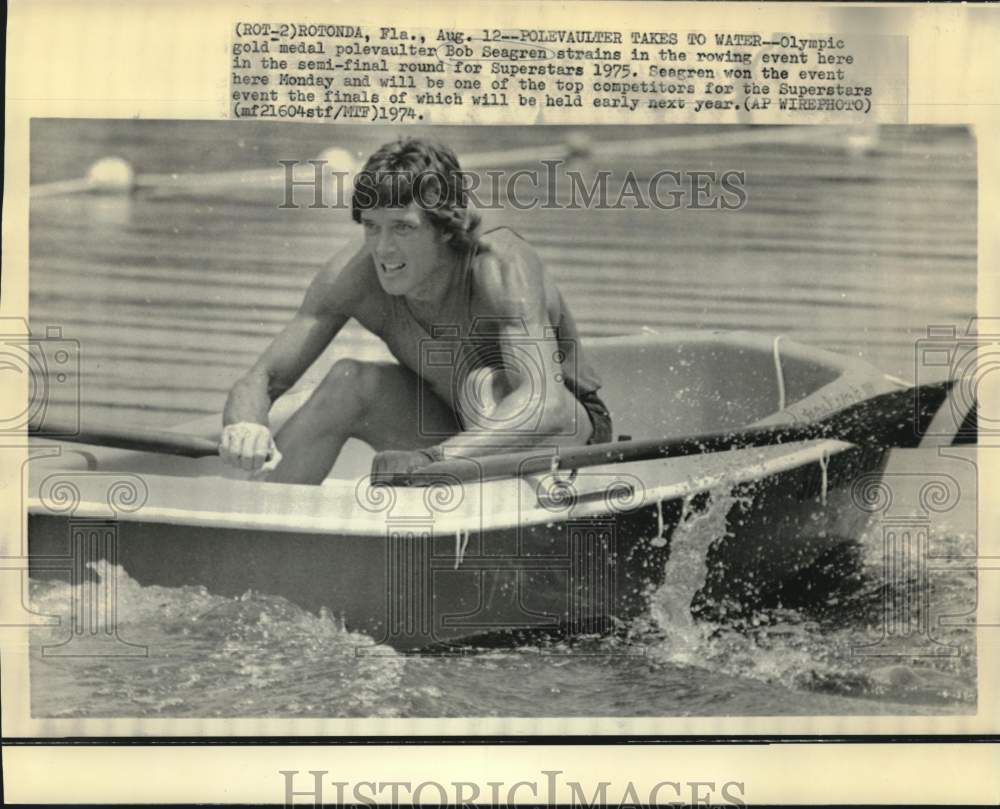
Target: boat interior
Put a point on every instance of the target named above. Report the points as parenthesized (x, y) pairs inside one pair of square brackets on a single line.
[(655, 385)]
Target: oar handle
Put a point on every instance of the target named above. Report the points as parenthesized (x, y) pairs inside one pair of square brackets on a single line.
[(161, 441)]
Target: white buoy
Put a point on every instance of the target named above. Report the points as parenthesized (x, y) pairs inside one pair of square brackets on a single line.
[(862, 141), (338, 173), (112, 175), (339, 160), (578, 145)]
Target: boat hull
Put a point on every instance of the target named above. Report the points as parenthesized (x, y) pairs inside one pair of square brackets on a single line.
[(418, 588), (565, 553)]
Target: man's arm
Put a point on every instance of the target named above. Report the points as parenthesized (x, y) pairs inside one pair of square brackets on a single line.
[(326, 307), (534, 405)]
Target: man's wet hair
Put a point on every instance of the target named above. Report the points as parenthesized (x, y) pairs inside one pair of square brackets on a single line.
[(418, 170)]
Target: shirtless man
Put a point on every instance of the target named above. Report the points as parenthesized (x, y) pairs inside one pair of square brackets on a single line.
[(488, 355)]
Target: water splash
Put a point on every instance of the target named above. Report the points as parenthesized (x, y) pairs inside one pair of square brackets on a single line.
[(808, 650), (209, 655), (701, 525), (258, 655)]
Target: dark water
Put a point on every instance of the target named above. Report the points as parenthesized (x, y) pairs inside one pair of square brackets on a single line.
[(172, 296)]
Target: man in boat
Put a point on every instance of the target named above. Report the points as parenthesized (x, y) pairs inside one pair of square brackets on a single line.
[(488, 354)]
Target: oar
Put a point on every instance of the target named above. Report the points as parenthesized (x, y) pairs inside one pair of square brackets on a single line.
[(894, 419), (189, 446)]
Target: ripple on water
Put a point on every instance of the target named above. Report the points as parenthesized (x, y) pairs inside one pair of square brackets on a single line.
[(214, 656)]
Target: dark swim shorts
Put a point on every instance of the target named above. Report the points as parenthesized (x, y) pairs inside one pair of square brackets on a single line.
[(600, 416)]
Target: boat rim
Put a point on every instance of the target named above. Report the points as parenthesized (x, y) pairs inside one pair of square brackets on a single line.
[(853, 374)]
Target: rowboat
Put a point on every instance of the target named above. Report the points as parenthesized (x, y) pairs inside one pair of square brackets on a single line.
[(552, 545)]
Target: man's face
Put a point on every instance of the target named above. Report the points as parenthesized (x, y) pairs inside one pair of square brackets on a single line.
[(409, 252)]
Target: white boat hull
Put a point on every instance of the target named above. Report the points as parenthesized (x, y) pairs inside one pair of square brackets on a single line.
[(558, 554)]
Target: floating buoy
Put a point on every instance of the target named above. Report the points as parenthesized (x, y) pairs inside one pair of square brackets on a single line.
[(338, 173), (579, 146), (338, 160), (112, 175), (862, 141)]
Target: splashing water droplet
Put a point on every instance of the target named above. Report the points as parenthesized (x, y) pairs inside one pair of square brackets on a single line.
[(700, 526)]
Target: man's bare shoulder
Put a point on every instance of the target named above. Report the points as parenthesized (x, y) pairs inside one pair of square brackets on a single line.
[(504, 251), (509, 275), (347, 281), (504, 243), (352, 264)]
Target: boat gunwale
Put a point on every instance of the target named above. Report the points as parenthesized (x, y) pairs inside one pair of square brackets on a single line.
[(852, 373), (375, 526)]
